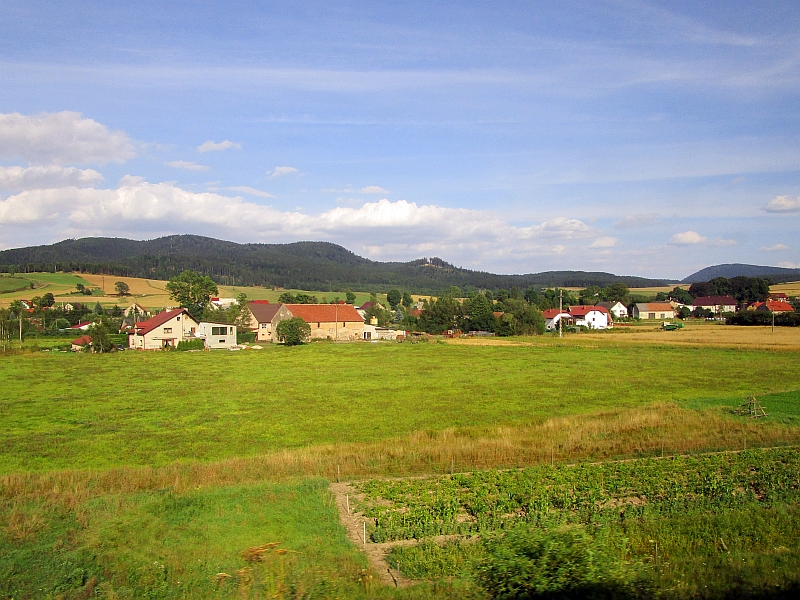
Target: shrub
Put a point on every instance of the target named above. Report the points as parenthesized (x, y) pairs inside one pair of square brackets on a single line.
[(243, 337), (294, 331), (196, 344), (563, 563)]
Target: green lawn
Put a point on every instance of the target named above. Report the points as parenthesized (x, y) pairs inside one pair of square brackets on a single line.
[(13, 284), (80, 410), (68, 279)]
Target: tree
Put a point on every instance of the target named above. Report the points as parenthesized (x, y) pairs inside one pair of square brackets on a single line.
[(243, 317), (48, 300), (80, 287), (101, 341), (393, 297), (680, 295), (702, 288), (123, 289), (408, 301), (192, 290), (616, 292), (481, 316), (294, 331), (98, 308), (350, 297)]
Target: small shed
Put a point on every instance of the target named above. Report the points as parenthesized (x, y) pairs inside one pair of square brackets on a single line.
[(216, 335)]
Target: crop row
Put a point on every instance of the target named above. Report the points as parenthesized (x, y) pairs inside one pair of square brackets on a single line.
[(587, 493)]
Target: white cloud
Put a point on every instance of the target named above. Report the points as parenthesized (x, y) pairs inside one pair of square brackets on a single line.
[(687, 238), (781, 204), (211, 146), (251, 191), (604, 242), (373, 189), (60, 138), (637, 220), (789, 265), (27, 178), (185, 164), (281, 171), (775, 248), (392, 230)]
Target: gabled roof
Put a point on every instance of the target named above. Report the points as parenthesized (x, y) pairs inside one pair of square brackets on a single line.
[(368, 305), (714, 301), (161, 318), (775, 306), (325, 313), (551, 313), (81, 324), (582, 311), (82, 341), (264, 313), (654, 306), (610, 305)]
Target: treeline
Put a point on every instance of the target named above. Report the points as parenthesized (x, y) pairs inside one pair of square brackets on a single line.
[(301, 265)]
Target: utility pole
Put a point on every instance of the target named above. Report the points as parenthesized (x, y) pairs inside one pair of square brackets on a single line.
[(773, 320), (560, 309), (336, 309)]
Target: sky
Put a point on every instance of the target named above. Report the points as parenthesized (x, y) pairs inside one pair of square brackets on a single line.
[(639, 138)]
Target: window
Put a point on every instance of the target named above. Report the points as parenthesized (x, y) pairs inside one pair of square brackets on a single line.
[(319, 325), (264, 325), (192, 329), (219, 330), (651, 315), (221, 341), (178, 318), (167, 329)]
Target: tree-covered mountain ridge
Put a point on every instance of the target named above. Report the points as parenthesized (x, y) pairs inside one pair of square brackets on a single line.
[(299, 265)]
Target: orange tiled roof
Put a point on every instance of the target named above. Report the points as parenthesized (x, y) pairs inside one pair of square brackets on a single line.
[(325, 313)]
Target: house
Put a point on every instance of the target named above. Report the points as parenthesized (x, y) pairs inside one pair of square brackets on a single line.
[(653, 310), (223, 302), (216, 335), (552, 317), (775, 306), (779, 297), (716, 304), (331, 321), (362, 310), (264, 318), (82, 342), (593, 317), (166, 329), (83, 326), (136, 310), (617, 309)]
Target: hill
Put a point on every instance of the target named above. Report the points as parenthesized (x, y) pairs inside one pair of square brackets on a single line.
[(776, 274), (300, 265)]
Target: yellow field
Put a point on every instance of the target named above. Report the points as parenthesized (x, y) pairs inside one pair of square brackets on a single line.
[(791, 288)]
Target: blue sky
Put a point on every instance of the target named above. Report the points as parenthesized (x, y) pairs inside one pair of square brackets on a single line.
[(646, 138)]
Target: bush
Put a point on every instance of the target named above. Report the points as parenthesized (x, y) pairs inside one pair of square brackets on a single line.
[(294, 331), (752, 317), (197, 344), (563, 563), (245, 337)]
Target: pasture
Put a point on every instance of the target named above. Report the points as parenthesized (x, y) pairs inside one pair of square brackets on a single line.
[(168, 475)]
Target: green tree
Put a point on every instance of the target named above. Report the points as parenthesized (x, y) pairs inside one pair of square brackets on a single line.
[(123, 289), (454, 292), (98, 308), (680, 295), (48, 300), (616, 292), (408, 301), (192, 291), (481, 316), (393, 297), (350, 297), (101, 340), (294, 331), (243, 315), (287, 298)]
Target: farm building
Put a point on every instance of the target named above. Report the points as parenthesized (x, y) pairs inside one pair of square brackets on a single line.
[(653, 310), (593, 317), (330, 321), (372, 332), (617, 309), (265, 318), (716, 304), (164, 330), (216, 335), (80, 343), (775, 306), (362, 310)]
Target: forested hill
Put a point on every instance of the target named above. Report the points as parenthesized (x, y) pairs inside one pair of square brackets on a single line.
[(301, 265), (774, 274)]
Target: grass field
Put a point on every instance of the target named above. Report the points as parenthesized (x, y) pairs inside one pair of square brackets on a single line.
[(149, 474), (13, 284)]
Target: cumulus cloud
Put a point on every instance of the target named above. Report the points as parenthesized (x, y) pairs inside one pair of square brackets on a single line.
[(185, 164), (637, 220), (61, 138), (789, 265), (27, 178), (373, 189), (211, 146), (281, 171), (783, 204), (687, 238), (243, 189), (398, 229), (775, 248), (604, 242)]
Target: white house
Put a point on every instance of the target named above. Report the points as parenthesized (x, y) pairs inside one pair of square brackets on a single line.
[(373, 332), (166, 329), (593, 317), (552, 317), (216, 335), (617, 309), (223, 302)]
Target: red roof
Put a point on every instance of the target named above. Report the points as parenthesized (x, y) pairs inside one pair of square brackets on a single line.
[(551, 313), (82, 341), (780, 296), (775, 306), (325, 313), (582, 311), (258, 302), (714, 301), (161, 318), (79, 325)]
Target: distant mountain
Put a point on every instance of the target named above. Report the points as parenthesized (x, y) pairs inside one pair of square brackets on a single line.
[(301, 265), (776, 274)]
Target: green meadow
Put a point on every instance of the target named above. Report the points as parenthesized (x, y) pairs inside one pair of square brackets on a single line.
[(205, 474)]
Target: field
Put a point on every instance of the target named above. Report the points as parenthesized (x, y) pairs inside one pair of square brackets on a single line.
[(168, 475)]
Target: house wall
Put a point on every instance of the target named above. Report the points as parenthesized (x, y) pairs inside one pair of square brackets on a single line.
[(593, 320), (179, 328), (227, 339), (265, 332), (350, 330)]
